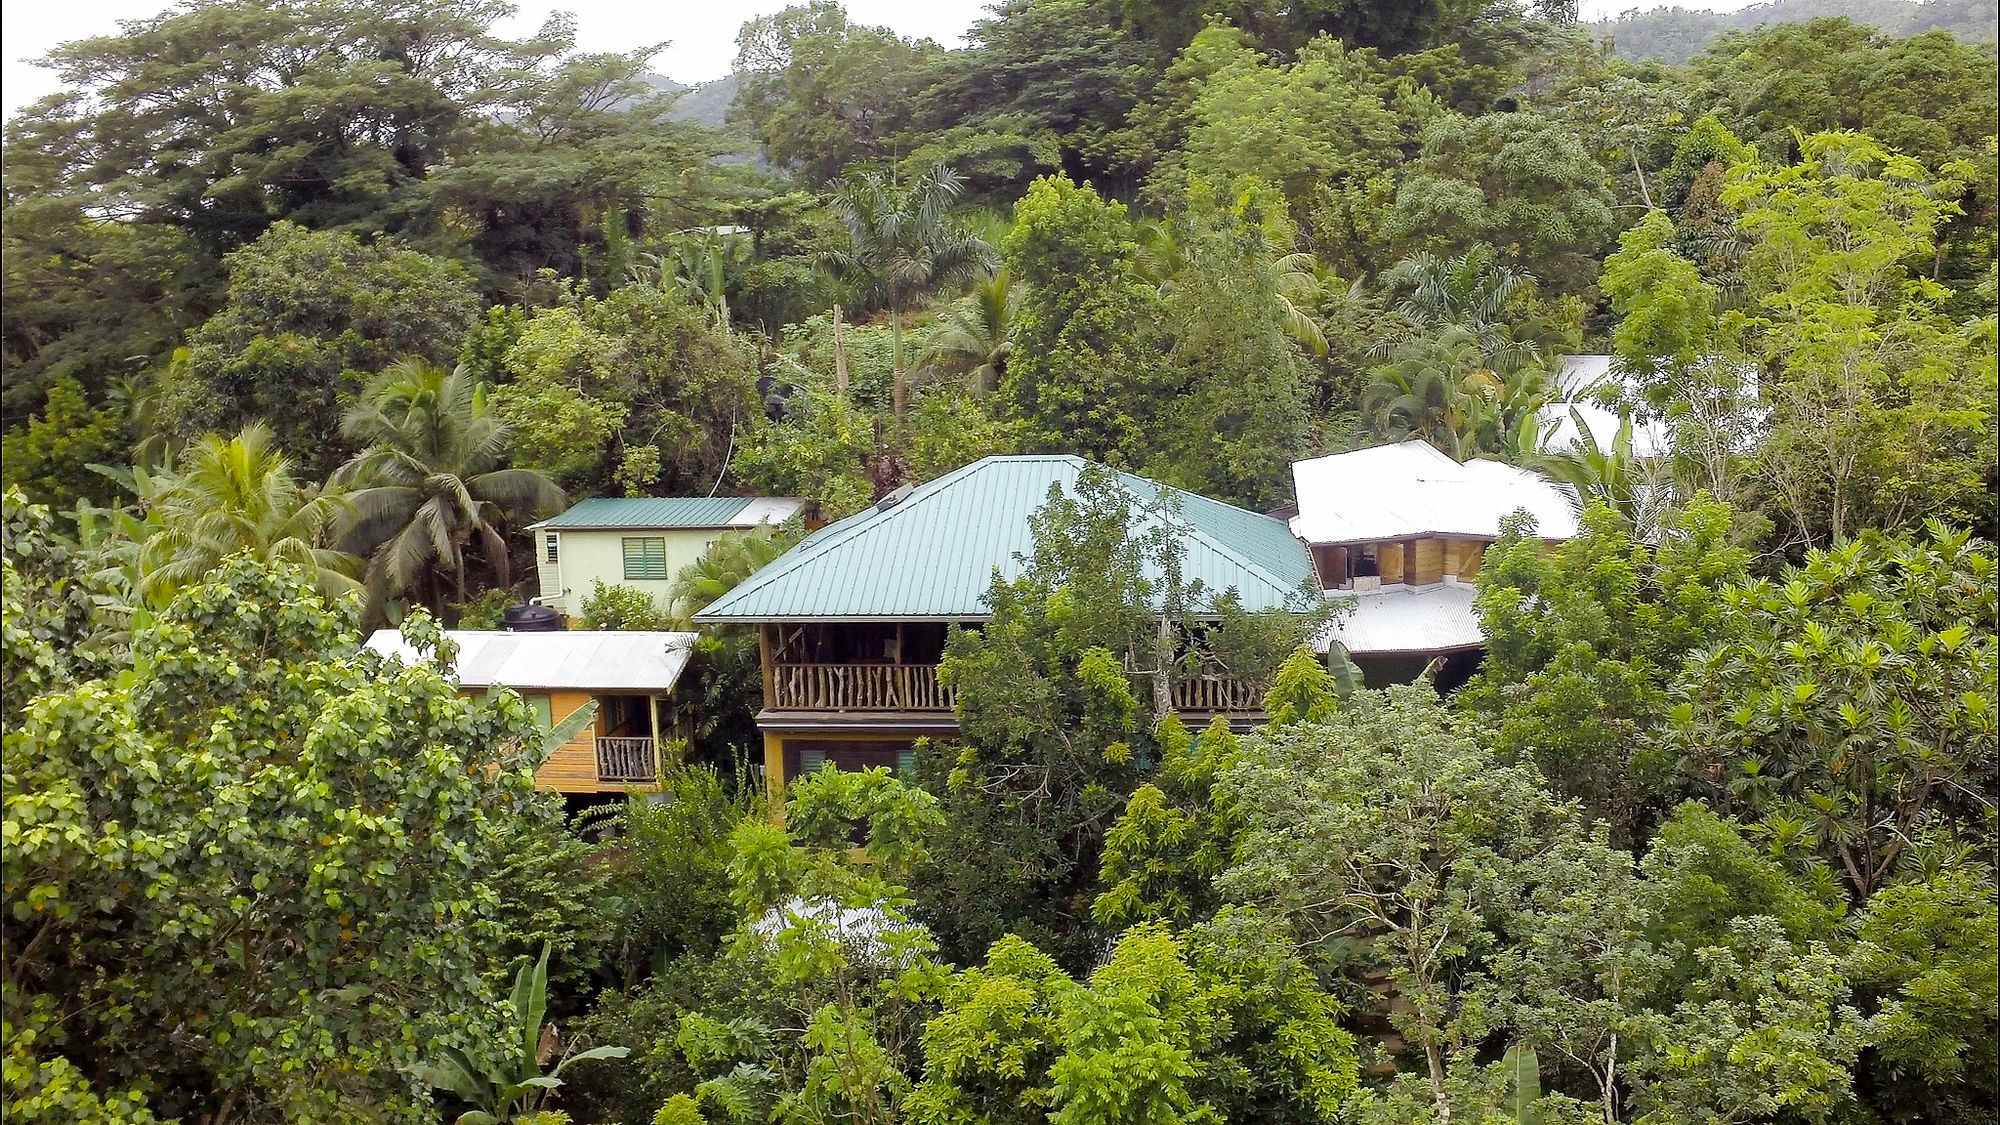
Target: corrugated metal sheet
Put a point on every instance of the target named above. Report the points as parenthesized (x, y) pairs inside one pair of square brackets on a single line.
[(675, 511), (568, 660), (1588, 382), (933, 555), (1398, 619), (1409, 488)]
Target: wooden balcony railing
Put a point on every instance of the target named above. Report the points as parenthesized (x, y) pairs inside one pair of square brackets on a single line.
[(627, 759), (858, 687), (1224, 694), (915, 687)]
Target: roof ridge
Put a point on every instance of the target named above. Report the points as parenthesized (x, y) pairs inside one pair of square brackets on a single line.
[(1235, 555), (775, 571)]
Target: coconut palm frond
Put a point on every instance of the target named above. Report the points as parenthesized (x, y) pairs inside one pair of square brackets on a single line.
[(431, 478)]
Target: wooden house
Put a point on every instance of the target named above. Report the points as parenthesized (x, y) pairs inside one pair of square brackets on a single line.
[(642, 543), (852, 622), (1399, 532), (629, 675)]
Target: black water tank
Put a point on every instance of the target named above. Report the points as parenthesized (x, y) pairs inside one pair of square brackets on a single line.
[(531, 619)]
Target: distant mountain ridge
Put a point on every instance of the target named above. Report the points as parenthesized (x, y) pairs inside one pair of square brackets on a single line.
[(705, 103), (1675, 35)]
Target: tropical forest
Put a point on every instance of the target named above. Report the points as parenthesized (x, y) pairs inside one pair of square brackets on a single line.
[(318, 312)]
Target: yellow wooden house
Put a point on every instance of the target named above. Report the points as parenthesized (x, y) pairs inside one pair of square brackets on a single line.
[(630, 675)]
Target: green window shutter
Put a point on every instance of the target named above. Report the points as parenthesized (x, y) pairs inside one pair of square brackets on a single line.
[(810, 761), (906, 761), (543, 714), (645, 557)]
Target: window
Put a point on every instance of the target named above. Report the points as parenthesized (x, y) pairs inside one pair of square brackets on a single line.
[(1368, 563), (906, 762), (646, 558), (810, 762), (549, 547)]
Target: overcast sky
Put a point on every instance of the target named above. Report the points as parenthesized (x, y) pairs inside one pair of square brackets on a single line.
[(702, 33)]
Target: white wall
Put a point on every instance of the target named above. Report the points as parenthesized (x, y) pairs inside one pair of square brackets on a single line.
[(586, 557)]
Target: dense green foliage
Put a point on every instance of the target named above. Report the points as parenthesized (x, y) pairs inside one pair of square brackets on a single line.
[(310, 308), (234, 838)]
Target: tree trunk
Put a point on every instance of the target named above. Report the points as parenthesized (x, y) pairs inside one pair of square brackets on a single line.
[(496, 555), (901, 392), (839, 354)]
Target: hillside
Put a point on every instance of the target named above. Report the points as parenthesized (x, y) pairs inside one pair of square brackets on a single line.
[(1677, 34)]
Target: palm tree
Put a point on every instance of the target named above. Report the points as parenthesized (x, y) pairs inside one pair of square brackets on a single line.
[(1636, 487), (975, 340), (1295, 281), (1470, 291), (727, 562), (1301, 280), (1438, 390), (903, 246), (231, 496), (428, 480)]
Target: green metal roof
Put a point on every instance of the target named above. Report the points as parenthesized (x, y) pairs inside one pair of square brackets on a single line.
[(651, 512), (932, 556)]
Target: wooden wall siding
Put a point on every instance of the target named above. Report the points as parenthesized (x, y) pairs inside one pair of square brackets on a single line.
[(573, 767), (1430, 562), (1331, 563), (1391, 556), (1466, 556)]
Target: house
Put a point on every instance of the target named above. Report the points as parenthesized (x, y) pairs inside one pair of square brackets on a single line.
[(629, 675), (1601, 391), (642, 543), (852, 622), (1400, 531), (1591, 390)]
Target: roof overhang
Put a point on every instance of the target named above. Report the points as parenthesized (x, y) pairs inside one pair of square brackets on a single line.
[(545, 525)]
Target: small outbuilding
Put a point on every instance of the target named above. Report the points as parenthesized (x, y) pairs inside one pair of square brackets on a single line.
[(630, 675), (642, 543)]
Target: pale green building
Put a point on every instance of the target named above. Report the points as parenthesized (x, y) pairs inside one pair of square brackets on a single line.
[(641, 543)]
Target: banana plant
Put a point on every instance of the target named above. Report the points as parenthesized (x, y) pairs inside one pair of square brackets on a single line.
[(511, 1088)]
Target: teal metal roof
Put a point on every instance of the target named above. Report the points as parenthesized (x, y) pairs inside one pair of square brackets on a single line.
[(651, 512), (932, 556)]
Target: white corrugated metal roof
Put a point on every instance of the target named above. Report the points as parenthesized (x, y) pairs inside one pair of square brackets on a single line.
[(1579, 376), (1598, 385), (1409, 488), (566, 660), (1398, 619), (767, 509), (1560, 434)]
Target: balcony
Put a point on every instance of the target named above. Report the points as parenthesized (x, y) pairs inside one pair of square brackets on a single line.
[(915, 687), (627, 759), (1205, 694), (858, 687)]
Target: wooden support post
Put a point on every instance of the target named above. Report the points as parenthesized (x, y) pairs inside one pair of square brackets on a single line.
[(659, 747), (765, 658), (774, 775)]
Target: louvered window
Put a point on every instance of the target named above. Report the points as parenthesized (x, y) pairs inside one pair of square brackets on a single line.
[(646, 558), (549, 547), (810, 761)]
